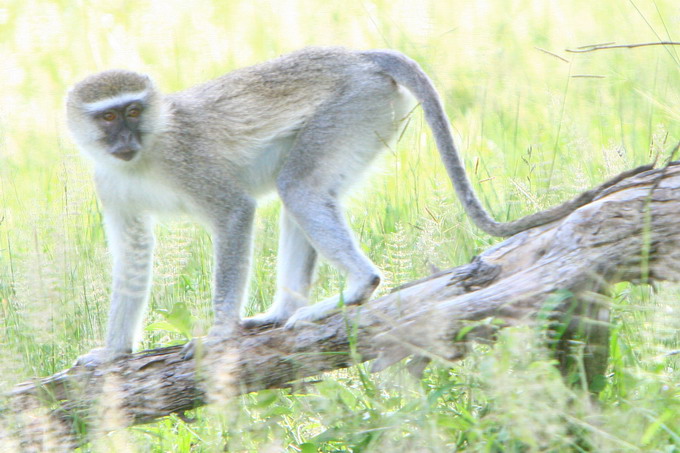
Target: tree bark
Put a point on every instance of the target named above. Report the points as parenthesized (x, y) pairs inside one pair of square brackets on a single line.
[(629, 232)]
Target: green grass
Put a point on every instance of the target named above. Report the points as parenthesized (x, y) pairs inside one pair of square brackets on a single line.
[(532, 135)]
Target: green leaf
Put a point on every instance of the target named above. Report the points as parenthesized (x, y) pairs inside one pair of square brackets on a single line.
[(162, 326), (598, 383), (656, 426), (181, 317), (265, 398), (308, 447), (277, 410), (331, 434)]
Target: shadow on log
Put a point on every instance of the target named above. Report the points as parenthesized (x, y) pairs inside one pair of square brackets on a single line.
[(629, 232)]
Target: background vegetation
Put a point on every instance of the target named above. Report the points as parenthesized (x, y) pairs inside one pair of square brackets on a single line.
[(535, 128)]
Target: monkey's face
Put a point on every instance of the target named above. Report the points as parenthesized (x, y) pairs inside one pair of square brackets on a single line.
[(120, 126), (113, 115)]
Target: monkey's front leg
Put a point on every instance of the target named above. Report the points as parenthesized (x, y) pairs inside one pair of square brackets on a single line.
[(131, 244), (232, 238), (232, 242)]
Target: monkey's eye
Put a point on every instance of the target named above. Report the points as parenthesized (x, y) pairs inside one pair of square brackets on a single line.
[(134, 112), (109, 116)]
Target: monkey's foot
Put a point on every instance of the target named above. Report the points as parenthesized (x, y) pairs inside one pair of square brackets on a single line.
[(99, 356), (266, 319), (192, 348), (197, 347), (218, 332), (311, 313)]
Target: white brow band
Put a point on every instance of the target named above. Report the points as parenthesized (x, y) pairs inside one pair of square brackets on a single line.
[(107, 103)]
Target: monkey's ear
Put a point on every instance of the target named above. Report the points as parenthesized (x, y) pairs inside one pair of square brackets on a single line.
[(149, 80), (70, 92), (68, 95)]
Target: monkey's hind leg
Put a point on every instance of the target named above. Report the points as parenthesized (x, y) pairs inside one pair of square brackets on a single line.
[(309, 186), (325, 226)]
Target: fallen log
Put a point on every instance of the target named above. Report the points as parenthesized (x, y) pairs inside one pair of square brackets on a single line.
[(629, 232)]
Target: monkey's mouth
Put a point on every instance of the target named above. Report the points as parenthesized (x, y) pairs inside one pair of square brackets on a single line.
[(125, 154)]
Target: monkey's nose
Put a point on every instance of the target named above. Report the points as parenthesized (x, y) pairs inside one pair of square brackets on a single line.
[(127, 146)]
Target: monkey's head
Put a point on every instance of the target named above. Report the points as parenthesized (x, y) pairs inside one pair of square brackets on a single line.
[(113, 114)]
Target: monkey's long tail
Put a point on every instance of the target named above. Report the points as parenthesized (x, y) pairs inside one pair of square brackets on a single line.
[(409, 74)]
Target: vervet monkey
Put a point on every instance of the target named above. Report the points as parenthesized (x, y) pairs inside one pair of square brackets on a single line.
[(305, 125)]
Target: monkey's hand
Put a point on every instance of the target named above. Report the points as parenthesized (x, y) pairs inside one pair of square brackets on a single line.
[(99, 356)]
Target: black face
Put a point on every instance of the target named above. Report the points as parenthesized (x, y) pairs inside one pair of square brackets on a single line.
[(122, 131)]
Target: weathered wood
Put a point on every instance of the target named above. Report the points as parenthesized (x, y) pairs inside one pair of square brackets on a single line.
[(629, 232)]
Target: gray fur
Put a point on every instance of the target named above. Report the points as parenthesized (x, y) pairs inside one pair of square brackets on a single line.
[(107, 85), (305, 125)]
